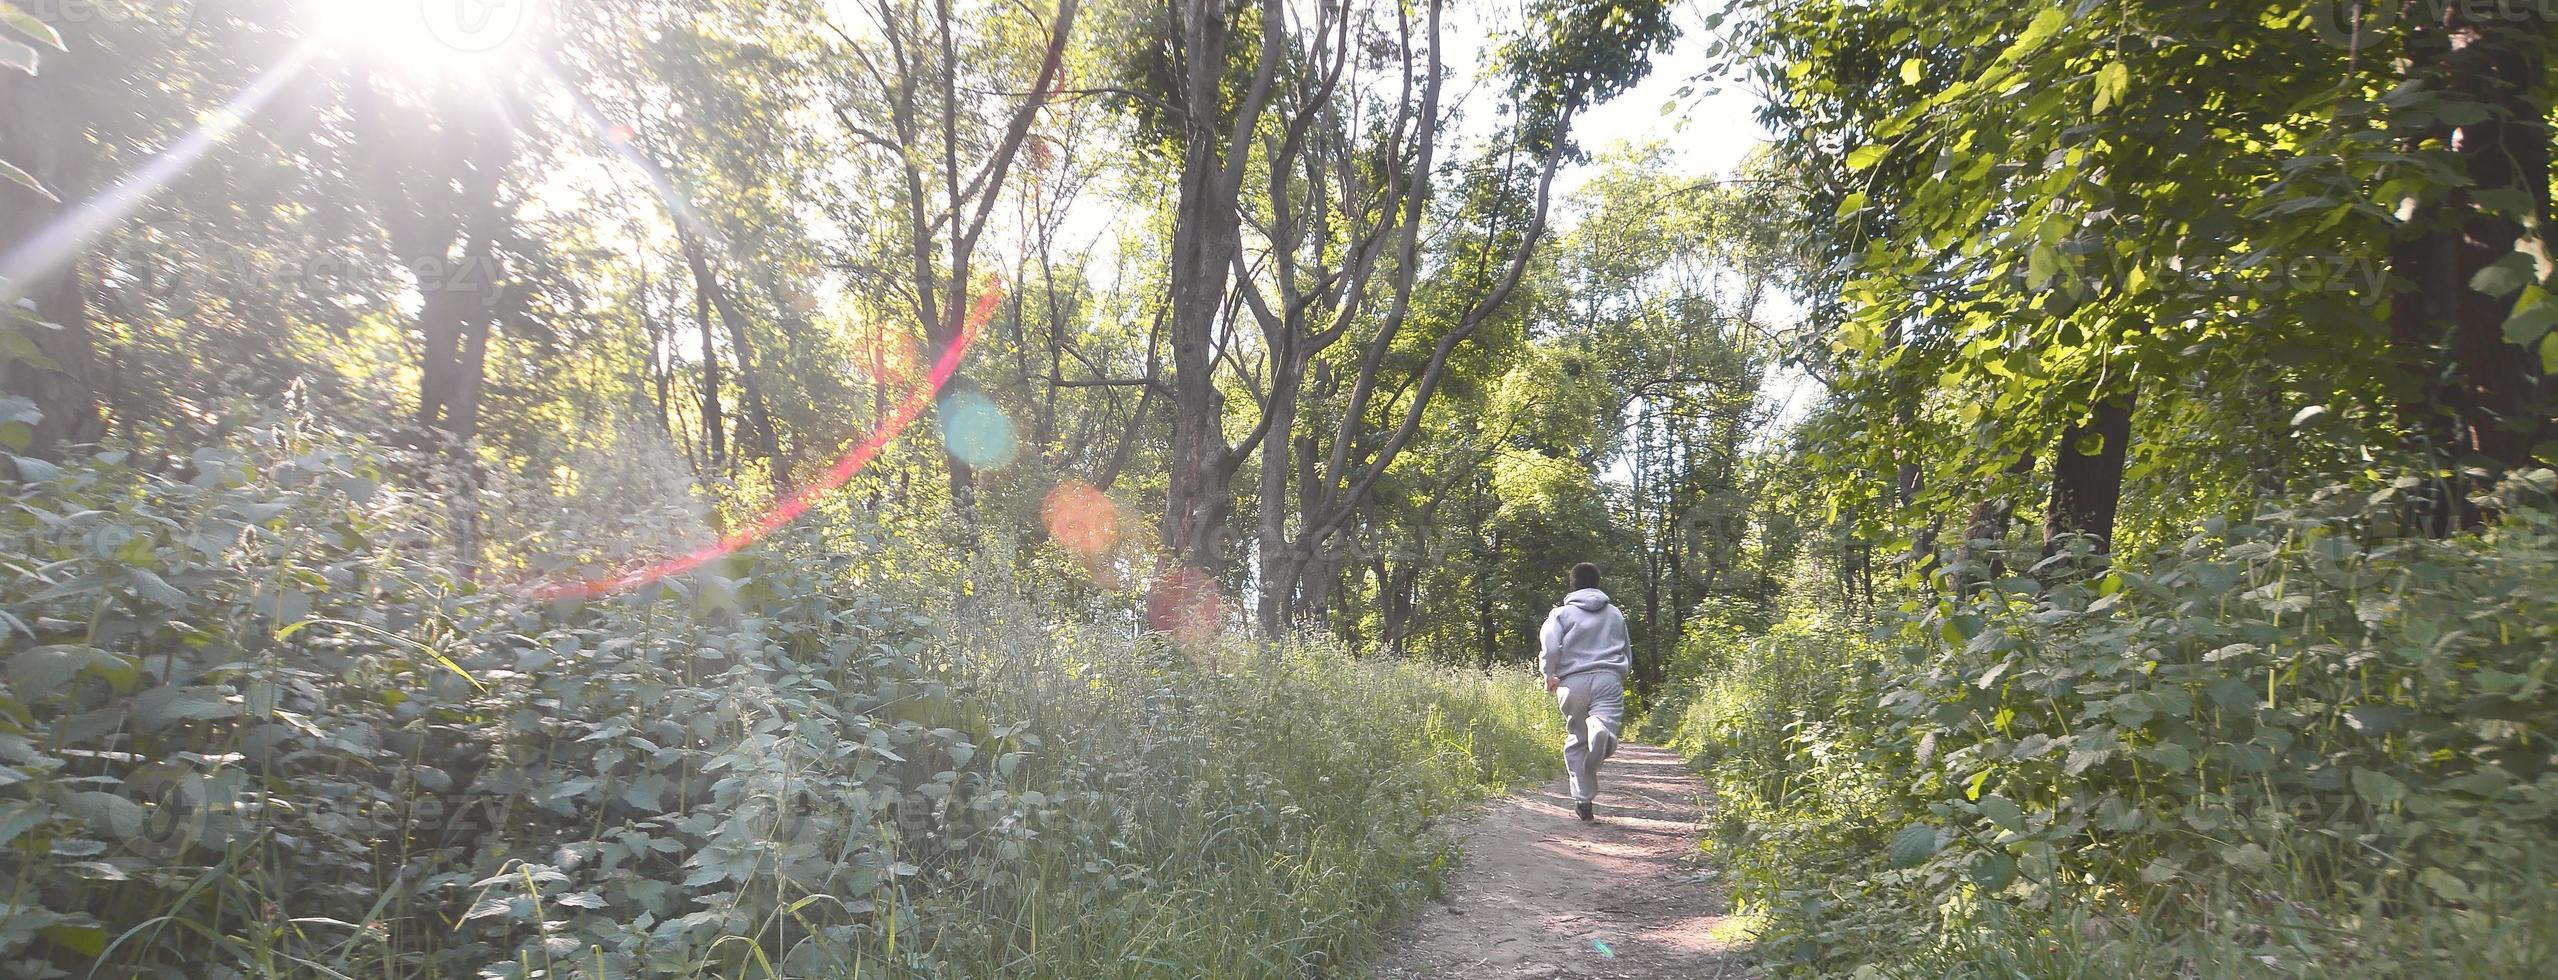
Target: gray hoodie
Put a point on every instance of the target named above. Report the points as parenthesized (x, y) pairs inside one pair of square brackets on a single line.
[(1584, 633)]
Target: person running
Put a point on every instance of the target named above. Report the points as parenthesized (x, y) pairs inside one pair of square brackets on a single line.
[(1586, 654)]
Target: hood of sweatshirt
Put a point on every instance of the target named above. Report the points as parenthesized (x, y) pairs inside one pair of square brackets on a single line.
[(1590, 599)]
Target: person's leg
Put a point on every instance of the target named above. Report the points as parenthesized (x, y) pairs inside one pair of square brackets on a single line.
[(1574, 698), (1602, 718)]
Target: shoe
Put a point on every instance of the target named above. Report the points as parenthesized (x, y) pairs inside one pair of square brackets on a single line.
[(1583, 808)]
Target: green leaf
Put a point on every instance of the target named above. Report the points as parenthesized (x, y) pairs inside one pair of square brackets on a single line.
[(1910, 69), (2032, 747), (264, 511), (2379, 788), (2445, 884), (33, 470), (161, 707), (107, 811), (2087, 749), (86, 940), (2112, 82), (1993, 870), (2232, 692), (40, 671), (2247, 857), (2534, 315), (2504, 275), (2160, 871), (2004, 812), (2171, 756), (1966, 625), (644, 792), (151, 586), (2250, 757), (487, 907), (1865, 156), (27, 24), (2044, 25), (1912, 846), (19, 816)]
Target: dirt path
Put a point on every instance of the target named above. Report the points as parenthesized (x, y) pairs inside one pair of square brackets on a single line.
[(1540, 891)]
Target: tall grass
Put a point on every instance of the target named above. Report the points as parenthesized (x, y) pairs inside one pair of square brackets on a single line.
[(251, 726), (1237, 809)]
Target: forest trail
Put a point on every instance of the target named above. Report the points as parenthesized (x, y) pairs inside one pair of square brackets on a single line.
[(1539, 892)]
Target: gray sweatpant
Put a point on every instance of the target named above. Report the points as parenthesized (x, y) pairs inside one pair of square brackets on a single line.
[(1593, 712)]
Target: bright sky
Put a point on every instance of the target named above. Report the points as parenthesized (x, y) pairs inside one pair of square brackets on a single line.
[(1709, 130)]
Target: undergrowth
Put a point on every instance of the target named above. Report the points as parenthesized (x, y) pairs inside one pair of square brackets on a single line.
[(2298, 746), (253, 726)]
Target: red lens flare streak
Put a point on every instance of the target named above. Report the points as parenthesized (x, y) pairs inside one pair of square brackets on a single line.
[(846, 467)]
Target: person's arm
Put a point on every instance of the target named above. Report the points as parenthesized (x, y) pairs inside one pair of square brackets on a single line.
[(1549, 638), (1625, 635)]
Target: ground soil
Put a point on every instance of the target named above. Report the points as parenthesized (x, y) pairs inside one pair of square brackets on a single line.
[(1539, 892)]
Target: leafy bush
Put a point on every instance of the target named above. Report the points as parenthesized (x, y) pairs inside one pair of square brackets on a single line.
[(252, 726), (2295, 746)]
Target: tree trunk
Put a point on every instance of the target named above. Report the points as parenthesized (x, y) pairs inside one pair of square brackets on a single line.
[(1207, 234), (2087, 476), (1484, 577), (714, 418), (1990, 518), (442, 207), (758, 435), (2477, 399), (1281, 568), (457, 304)]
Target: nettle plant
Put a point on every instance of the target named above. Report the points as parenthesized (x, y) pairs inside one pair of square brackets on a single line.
[(2309, 689), (2305, 734), (251, 726)]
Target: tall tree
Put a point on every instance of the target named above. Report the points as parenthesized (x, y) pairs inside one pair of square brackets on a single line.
[(924, 68), (2477, 94)]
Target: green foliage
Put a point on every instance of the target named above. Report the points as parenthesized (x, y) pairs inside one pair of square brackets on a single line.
[(2297, 745), (2032, 209), (1577, 53), (18, 54), (251, 727)]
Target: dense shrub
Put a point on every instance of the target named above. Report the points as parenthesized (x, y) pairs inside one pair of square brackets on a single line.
[(251, 726), (2294, 746)]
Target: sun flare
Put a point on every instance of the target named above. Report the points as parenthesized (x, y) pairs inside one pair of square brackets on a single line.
[(444, 36)]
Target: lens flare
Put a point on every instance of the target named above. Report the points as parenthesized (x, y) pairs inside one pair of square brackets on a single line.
[(1080, 518), (977, 431), (846, 467), (47, 248), (1185, 604)]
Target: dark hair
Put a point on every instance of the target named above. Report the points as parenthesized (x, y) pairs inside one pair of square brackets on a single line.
[(1585, 576)]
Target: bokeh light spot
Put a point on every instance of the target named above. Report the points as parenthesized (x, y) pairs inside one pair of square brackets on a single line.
[(977, 430), (1185, 603), (1080, 518)]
